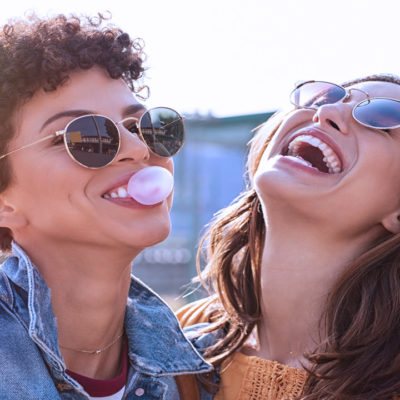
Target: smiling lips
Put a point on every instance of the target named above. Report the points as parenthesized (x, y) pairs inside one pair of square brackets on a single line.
[(119, 192), (313, 152)]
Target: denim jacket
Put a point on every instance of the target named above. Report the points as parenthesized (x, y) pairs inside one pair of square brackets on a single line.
[(32, 368)]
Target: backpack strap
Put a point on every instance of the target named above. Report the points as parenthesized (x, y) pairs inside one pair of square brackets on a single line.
[(187, 387)]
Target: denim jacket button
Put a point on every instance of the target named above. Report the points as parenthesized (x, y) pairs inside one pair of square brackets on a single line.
[(139, 392)]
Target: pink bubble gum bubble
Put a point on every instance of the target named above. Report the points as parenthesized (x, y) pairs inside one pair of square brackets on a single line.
[(150, 185)]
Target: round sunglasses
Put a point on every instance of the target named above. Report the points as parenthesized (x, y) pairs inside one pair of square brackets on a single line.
[(93, 141), (373, 112)]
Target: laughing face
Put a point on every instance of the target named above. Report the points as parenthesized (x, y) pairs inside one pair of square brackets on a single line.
[(324, 165), (55, 201)]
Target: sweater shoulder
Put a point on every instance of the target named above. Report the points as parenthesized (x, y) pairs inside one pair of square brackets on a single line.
[(198, 312)]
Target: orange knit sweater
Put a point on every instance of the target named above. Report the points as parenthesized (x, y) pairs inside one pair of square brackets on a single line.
[(251, 378), (246, 377)]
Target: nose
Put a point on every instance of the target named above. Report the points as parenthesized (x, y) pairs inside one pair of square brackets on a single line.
[(132, 147), (336, 116)]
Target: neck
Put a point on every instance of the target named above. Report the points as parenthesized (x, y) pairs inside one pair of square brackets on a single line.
[(89, 290), (300, 266)]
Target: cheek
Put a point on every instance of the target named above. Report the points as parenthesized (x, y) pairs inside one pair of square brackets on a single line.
[(164, 162), (380, 169), (170, 200), (263, 163), (168, 164), (170, 167), (382, 183), (266, 172), (48, 176), (374, 188)]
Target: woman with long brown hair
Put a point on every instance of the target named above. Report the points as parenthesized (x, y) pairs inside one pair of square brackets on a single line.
[(304, 267)]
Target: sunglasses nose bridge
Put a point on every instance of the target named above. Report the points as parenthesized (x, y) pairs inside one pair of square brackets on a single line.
[(132, 146), (349, 93)]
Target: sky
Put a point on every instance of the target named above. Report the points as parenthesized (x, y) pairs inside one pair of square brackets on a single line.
[(235, 57)]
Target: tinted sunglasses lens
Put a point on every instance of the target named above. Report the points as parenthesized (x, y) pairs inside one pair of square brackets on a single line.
[(92, 140), (163, 131), (378, 113), (316, 94)]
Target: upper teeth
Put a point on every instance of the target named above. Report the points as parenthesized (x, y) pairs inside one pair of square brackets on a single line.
[(119, 192), (331, 159)]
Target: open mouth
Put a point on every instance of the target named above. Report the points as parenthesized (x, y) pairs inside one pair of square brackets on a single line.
[(315, 153)]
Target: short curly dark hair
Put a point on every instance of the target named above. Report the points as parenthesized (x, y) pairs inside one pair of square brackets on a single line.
[(40, 53)]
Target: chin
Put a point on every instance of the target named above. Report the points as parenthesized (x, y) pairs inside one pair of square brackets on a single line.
[(271, 184), (152, 236), (280, 196)]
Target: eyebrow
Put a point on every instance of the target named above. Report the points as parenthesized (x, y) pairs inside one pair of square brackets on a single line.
[(131, 109)]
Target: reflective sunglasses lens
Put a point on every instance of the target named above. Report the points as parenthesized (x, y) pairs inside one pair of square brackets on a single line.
[(92, 140), (378, 113), (316, 94), (163, 131)]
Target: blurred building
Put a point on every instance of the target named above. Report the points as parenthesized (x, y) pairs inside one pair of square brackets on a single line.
[(208, 176)]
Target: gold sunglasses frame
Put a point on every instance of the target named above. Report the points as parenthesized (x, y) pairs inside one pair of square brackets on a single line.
[(347, 94), (139, 133)]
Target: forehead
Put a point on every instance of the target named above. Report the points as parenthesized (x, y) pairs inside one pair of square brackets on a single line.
[(92, 90), (379, 89)]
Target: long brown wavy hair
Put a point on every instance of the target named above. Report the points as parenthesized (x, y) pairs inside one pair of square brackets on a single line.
[(360, 356), (40, 53)]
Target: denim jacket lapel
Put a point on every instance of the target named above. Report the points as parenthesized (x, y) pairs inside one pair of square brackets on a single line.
[(157, 345)]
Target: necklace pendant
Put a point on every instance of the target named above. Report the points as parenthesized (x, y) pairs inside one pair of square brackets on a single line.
[(98, 351)]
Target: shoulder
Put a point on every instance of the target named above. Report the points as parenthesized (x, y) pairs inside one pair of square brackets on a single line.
[(200, 311), (18, 351), (24, 374), (16, 345), (6, 292), (197, 320), (10, 310)]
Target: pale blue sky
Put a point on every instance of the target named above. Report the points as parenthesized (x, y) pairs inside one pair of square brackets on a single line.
[(236, 57)]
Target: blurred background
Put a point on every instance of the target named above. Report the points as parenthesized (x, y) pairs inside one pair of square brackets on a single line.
[(227, 65)]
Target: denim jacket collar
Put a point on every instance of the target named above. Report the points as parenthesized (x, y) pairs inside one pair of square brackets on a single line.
[(150, 325)]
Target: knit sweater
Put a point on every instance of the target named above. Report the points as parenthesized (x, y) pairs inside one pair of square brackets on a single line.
[(246, 377), (251, 378)]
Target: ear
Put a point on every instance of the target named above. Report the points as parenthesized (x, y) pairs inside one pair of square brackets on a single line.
[(392, 222), (9, 216)]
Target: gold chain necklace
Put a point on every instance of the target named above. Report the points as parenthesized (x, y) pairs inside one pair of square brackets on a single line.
[(98, 351)]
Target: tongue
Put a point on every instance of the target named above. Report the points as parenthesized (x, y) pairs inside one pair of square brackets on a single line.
[(314, 156), (150, 185)]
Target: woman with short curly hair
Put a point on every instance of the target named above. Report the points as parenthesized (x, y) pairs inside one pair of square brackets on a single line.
[(74, 324), (304, 266)]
